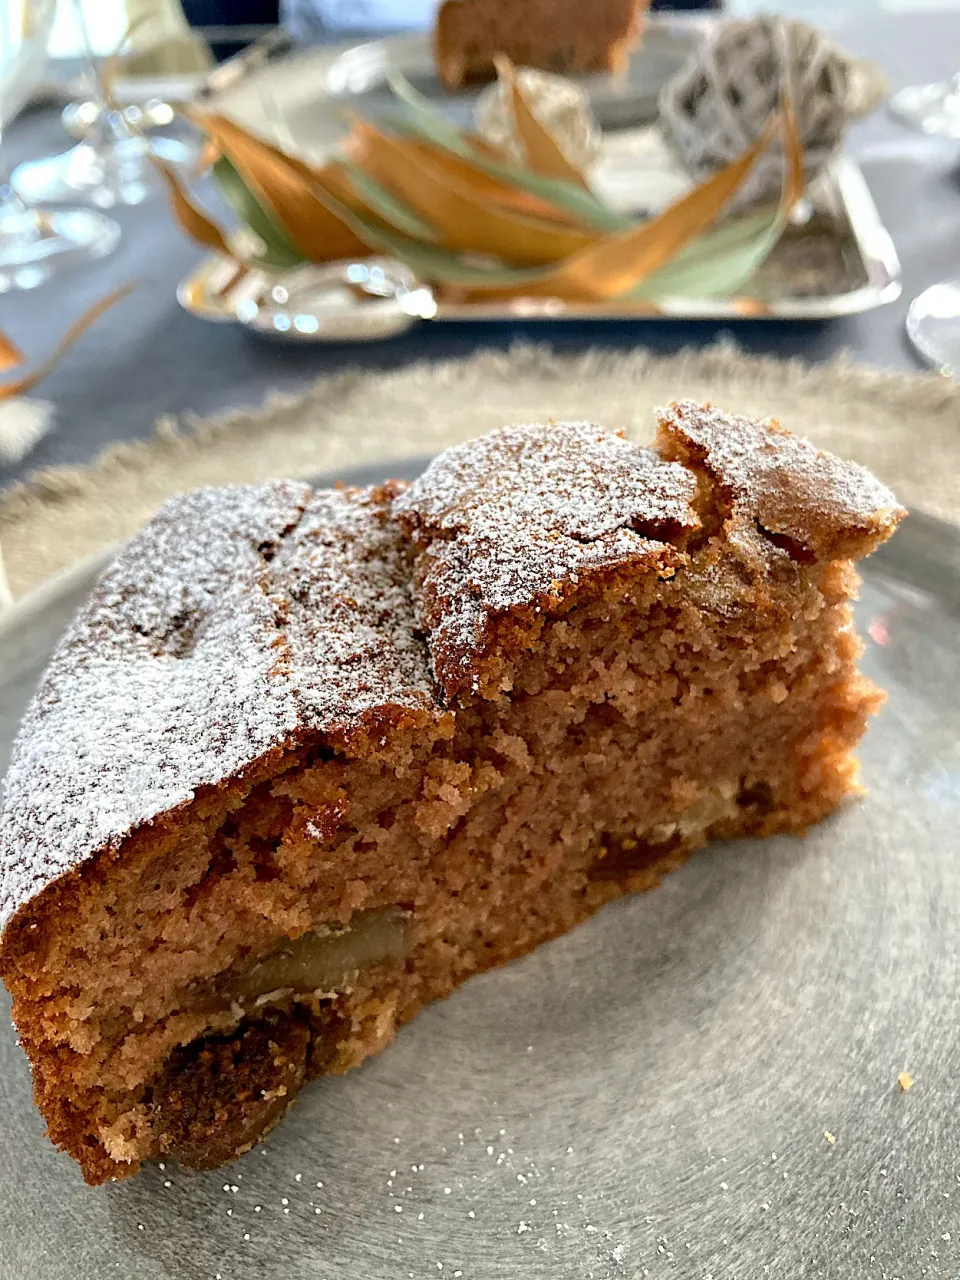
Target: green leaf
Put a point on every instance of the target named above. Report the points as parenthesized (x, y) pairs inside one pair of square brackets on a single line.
[(425, 123), (717, 264), (429, 121), (279, 252), (386, 204)]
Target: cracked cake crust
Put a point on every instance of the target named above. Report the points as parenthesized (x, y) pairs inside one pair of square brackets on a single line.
[(239, 622)]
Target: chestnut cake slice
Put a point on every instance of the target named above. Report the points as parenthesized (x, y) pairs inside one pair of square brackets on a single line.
[(550, 34), (307, 760)]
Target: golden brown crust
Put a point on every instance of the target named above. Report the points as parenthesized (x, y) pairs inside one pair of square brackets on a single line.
[(505, 526), (819, 505), (515, 526)]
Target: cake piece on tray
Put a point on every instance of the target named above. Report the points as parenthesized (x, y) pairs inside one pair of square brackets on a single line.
[(553, 35), (308, 760)]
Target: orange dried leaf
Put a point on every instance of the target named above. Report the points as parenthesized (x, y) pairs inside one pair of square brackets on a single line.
[(544, 155), (485, 148), (10, 353), (206, 157), (496, 190), (76, 330), (463, 220), (289, 190), (334, 180), (618, 263), (197, 224), (794, 181)]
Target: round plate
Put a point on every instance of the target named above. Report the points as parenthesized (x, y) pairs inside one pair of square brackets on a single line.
[(358, 76), (700, 1082), (285, 99)]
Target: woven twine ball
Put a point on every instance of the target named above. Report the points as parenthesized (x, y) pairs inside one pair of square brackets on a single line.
[(717, 105), (561, 106)]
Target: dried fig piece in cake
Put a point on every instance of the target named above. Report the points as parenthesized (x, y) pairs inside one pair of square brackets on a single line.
[(307, 760), (217, 1096)]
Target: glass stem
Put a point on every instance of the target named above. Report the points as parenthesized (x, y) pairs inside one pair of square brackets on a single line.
[(110, 127), (90, 67)]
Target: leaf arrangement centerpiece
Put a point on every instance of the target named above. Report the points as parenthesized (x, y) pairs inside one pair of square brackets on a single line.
[(477, 225)]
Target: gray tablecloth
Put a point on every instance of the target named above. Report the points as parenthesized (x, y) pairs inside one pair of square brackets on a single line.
[(147, 357)]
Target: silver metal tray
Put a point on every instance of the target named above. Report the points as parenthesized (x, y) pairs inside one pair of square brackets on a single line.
[(700, 1082), (837, 258)]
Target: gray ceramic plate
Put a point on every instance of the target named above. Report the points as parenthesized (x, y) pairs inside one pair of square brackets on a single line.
[(701, 1082), (358, 75)]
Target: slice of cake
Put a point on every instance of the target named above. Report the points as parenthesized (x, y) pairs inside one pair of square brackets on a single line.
[(308, 760), (550, 34)]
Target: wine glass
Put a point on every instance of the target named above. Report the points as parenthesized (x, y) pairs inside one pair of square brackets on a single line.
[(37, 242), (112, 165), (933, 320), (929, 108), (933, 326), (78, 118)]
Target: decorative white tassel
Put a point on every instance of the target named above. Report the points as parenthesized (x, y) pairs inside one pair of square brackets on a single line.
[(22, 424)]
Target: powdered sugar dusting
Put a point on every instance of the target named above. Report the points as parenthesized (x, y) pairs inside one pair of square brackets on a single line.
[(237, 620), (353, 642), (832, 507), (504, 517)]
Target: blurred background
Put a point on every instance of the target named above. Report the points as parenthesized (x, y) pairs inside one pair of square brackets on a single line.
[(87, 172)]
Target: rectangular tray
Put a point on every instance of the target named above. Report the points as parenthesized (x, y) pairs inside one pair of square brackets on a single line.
[(839, 260), (836, 258)]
